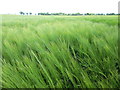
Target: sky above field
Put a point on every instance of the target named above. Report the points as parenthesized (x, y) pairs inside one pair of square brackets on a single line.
[(65, 6)]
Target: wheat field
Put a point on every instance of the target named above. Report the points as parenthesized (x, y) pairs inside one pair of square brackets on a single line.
[(60, 52)]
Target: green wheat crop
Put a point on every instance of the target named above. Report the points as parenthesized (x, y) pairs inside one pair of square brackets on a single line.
[(60, 52)]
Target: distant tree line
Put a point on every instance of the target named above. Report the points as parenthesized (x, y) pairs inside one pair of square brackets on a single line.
[(23, 13), (69, 14)]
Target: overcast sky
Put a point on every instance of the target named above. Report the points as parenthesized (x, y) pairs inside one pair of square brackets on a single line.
[(66, 6)]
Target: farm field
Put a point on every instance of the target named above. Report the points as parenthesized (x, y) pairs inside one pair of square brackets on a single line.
[(60, 52)]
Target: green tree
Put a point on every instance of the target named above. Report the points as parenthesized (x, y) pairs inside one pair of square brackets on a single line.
[(30, 13), (26, 13), (22, 13)]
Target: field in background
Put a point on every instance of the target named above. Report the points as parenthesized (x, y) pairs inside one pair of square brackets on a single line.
[(60, 51)]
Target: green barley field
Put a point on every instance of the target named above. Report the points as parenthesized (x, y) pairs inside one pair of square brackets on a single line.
[(60, 52)]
